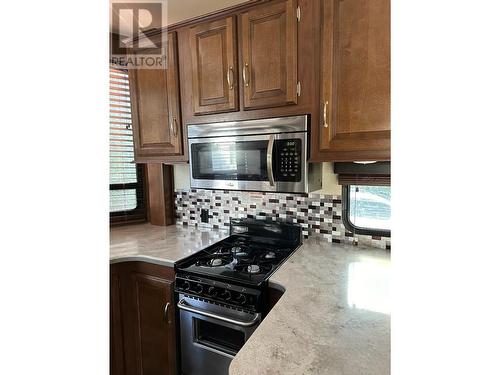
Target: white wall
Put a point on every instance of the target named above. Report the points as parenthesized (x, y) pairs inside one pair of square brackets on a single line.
[(181, 176), (330, 182)]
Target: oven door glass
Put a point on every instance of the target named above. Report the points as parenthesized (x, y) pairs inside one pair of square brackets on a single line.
[(218, 337), (230, 160)]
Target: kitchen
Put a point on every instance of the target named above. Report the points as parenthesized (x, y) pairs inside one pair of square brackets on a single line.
[(241, 218), (227, 153)]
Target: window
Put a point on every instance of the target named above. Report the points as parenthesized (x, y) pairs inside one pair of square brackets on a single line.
[(367, 209), (366, 197), (126, 198)]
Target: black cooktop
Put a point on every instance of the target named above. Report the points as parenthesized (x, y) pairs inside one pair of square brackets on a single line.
[(249, 255)]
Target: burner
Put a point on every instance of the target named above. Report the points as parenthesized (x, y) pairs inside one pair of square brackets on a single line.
[(270, 255), (215, 262), (238, 251), (253, 268)]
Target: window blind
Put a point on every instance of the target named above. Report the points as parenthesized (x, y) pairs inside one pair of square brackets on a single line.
[(126, 185), (372, 174)]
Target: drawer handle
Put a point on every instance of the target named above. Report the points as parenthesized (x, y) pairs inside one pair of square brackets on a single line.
[(245, 75), (230, 78), (325, 120)]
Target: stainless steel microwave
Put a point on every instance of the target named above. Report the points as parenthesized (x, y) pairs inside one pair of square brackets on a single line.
[(261, 155)]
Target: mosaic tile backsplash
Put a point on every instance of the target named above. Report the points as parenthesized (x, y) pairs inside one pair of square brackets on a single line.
[(318, 215)]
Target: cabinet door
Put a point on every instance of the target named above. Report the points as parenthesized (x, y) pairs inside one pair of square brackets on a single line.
[(269, 55), (152, 311), (155, 109), (355, 104), (213, 55), (117, 360)]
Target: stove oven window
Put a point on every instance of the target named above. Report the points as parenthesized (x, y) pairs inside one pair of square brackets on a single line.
[(218, 336), (230, 160)]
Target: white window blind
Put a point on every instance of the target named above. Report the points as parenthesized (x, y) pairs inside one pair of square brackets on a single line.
[(125, 183)]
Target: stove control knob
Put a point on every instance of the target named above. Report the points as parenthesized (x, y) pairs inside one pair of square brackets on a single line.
[(198, 288), (226, 295), (241, 299), (185, 285), (212, 292)]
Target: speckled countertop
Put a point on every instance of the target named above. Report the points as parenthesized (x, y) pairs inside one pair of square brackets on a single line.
[(159, 245), (333, 319)]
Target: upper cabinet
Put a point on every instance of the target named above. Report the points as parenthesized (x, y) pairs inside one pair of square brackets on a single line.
[(269, 55), (259, 62), (156, 118), (214, 67), (355, 81), (329, 59)]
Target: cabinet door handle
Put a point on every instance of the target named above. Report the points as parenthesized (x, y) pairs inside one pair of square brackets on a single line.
[(245, 75), (230, 78), (173, 126), (165, 313), (325, 118)]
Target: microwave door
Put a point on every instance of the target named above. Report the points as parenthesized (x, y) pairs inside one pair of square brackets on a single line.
[(239, 162)]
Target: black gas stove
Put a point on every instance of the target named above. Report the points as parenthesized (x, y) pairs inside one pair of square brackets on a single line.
[(221, 292), (235, 270)]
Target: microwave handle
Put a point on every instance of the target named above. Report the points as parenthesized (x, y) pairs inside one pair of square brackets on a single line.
[(270, 146)]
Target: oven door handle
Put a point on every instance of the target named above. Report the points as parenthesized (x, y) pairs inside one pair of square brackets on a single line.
[(184, 306), (270, 146)]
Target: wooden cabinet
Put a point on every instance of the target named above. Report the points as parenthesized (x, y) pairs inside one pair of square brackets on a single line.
[(269, 55), (214, 66), (248, 64), (156, 120), (329, 59), (142, 320), (117, 360), (355, 77), (152, 315)]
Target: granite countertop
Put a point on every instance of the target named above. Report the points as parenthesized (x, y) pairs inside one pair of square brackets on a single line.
[(333, 319), (159, 245)]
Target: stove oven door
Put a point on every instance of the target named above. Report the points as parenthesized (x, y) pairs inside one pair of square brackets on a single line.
[(211, 335)]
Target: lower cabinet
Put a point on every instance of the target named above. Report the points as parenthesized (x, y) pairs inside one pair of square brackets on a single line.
[(142, 319)]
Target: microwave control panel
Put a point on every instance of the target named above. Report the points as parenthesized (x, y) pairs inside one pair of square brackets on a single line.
[(288, 160)]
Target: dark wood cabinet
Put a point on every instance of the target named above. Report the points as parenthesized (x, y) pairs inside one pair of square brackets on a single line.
[(156, 118), (117, 360), (272, 53), (355, 77), (142, 320), (269, 55), (329, 59), (214, 66), (152, 312)]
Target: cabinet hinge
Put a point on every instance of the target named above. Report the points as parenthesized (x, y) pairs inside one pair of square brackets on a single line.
[(298, 88), (298, 14)]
